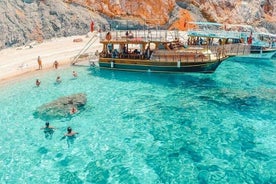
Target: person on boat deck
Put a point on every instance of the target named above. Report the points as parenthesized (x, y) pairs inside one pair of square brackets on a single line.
[(220, 41), (130, 35), (147, 52), (124, 49), (75, 74), (55, 64), (37, 82), (48, 130), (58, 80)]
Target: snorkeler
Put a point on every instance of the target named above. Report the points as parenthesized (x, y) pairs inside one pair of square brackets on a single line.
[(48, 130)]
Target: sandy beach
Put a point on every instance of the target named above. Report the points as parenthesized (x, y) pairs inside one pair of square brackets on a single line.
[(19, 61)]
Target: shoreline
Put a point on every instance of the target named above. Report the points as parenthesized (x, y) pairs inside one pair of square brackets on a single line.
[(21, 62)]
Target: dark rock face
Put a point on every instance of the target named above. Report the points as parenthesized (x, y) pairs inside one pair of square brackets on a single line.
[(61, 107), (25, 21)]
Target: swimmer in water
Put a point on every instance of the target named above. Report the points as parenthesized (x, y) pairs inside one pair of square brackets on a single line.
[(73, 110), (58, 80), (37, 82), (48, 130), (70, 136), (75, 74)]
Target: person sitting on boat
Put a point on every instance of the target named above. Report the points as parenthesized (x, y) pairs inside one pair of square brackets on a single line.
[(136, 51), (115, 53), (171, 46), (124, 50), (130, 35)]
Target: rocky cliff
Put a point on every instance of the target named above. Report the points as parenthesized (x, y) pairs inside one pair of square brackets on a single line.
[(24, 21)]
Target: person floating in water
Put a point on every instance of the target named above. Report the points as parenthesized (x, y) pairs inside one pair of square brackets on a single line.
[(73, 110), (71, 135), (58, 80), (48, 130), (37, 82), (75, 74)]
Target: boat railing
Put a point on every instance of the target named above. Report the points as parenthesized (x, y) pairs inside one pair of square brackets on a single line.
[(231, 49), (218, 34), (141, 35), (201, 53)]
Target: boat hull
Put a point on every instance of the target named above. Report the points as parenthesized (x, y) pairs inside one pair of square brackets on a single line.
[(167, 67)]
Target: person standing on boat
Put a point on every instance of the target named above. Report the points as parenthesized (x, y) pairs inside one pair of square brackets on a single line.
[(39, 62)]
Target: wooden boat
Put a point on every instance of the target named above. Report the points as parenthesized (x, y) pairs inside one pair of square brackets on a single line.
[(263, 43), (157, 51)]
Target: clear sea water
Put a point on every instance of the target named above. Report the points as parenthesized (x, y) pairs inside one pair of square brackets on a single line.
[(145, 128)]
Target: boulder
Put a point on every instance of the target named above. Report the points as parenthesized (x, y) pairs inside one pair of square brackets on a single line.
[(61, 107)]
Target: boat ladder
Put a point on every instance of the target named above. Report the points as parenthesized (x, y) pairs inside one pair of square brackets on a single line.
[(82, 53)]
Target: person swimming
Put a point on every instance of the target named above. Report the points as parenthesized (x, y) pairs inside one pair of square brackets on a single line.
[(71, 135), (48, 130), (58, 80), (37, 82), (75, 74), (73, 110)]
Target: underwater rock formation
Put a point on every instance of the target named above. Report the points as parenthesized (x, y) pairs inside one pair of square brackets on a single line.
[(61, 107)]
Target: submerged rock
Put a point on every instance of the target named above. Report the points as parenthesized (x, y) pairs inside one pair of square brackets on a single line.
[(61, 107)]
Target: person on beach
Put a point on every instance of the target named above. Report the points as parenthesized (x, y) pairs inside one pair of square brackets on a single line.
[(37, 82), (58, 80), (48, 130), (97, 53), (75, 74), (55, 64), (39, 61)]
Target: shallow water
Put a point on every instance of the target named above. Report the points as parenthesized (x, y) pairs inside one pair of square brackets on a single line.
[(145, 127)]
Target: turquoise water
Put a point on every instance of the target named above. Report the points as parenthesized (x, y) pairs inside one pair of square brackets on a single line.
[(145, 127)]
